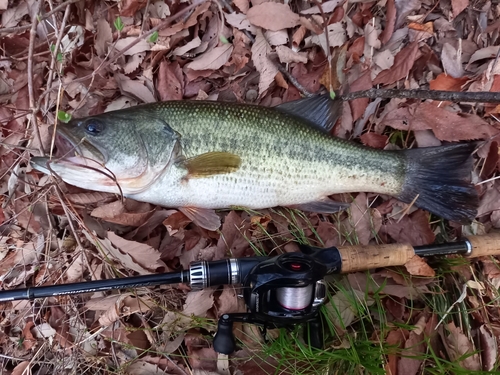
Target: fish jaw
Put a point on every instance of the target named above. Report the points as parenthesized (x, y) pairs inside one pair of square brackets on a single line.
[(84, 173), (78, 171)]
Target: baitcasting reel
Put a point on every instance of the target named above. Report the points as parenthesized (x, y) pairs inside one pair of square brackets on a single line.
[(281, 292)]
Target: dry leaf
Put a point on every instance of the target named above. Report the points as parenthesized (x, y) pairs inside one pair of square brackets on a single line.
[(141, 367), (426, 138), (170, 81), (337, 36), (458, 345), (104, 36), (358, 106), (374, 140), (141, 46), (233, 240), (22, 369), (287, 55), (229, 302), (212, 59), (242, 5), (241, 22), (327, 7), (361, 220), (405, 7), (118, 306), (260, 57), (241, 52), (130, 213), (489, 348), (192, 44), (452, 61), (90, 197), (78, 266), (403, 62), (414, 350), (129, 7), (394, 339), (446, 82), (490, 201), (390, 22), (199, 302), (342, 310), (272, 16), (14, 14), (417, 266), (134, 88), (446, 125), (133, 255), (413, 229), (484, 53), (458, 6), (28, 340)]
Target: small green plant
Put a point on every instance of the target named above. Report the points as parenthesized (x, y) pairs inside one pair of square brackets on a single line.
[(119, 24), (63, 116), (154, 37)]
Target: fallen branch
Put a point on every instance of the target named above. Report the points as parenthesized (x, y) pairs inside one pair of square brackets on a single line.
[(451, 96)]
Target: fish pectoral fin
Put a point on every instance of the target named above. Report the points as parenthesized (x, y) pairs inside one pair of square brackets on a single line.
[(319, 110), (211, 163), (324, 206), (203, 217)]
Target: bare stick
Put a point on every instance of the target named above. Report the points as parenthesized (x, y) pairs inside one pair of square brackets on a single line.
[(54, 54), (31, 92), (452, 96)]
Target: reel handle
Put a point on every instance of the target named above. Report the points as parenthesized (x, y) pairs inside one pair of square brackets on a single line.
[(224, 341)]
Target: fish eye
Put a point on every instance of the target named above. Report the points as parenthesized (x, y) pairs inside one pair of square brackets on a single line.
[(93, 127)]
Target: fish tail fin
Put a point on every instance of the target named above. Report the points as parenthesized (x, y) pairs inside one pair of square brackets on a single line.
[(440, 177)]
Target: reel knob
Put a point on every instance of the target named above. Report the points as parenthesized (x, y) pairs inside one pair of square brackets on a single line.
[(224, 342)]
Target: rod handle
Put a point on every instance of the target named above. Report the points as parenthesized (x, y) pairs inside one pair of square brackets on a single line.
[(361, 258), (486, 245)]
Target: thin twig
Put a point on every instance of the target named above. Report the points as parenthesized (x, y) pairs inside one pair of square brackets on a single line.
[(31, 92), (292, 79), (56, 50), (17, 29), (451, 96)]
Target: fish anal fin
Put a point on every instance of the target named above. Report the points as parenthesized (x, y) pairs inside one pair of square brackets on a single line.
[(320, 110), (323, 206), (211, 163), (203, 217)]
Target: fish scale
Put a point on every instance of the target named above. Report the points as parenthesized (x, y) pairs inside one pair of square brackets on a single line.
[(284, 159)]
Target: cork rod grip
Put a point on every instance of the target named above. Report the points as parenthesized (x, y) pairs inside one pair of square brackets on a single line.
[(486, 245), (360, 258)]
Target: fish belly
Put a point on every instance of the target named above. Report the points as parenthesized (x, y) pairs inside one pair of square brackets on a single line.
[(265, 186)]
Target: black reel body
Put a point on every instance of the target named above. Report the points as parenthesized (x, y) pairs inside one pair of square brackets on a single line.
[(281, 292)]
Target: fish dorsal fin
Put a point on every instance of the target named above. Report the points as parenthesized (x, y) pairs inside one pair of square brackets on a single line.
[(211, 163), (319, 110)]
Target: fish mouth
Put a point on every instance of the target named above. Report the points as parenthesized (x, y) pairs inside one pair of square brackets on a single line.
[(69, 152), (67, 147)]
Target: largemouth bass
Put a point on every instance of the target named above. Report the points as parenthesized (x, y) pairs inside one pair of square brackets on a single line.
[(198, 156)]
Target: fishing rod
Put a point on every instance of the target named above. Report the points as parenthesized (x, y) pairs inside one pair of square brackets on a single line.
[(279, 291)]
